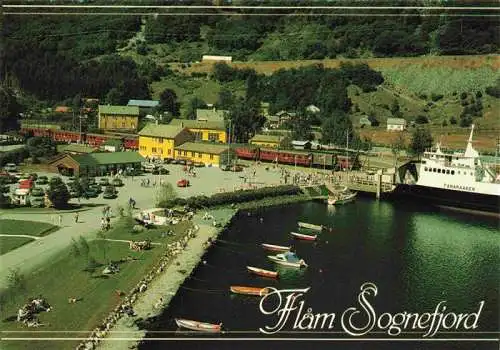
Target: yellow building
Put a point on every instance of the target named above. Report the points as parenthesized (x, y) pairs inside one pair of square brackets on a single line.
[(213, 131), (270, 141), (121, 118), (158, 141), (206, 153)]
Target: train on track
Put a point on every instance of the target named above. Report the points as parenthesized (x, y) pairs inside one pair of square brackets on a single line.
[(335, 160), (130, 141)]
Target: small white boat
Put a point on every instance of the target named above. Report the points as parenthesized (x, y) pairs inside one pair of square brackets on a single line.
[(341, 198), (261, 272), (303, 236), (275, 248), (288, 259), (310, 226), (198, 326)]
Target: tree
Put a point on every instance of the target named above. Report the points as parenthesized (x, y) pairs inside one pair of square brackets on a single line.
[(398, 144), (245, 119), (40, 146), (225, 99), (335, 128), (115, 96), (9, 110), (169, 103), (421, 140), (301, 127), (193, 105), (164, 194), (395, 109), (58, 193)]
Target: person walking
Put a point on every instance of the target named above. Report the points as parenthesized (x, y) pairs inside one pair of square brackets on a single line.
[(60, 219), (76, 217)]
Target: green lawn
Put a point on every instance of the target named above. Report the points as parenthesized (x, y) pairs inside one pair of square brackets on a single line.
[(10, 243), (66, 277), (22, 227)]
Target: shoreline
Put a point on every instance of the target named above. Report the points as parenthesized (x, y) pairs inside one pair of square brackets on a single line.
[(166, 285)]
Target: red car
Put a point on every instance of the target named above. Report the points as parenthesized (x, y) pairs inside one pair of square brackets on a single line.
[(183, 183)]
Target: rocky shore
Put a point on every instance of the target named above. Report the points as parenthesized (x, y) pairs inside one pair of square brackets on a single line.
[(153, 294)]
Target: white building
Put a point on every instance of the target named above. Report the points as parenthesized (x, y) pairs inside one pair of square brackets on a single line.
[(396, 124), (227, 59)]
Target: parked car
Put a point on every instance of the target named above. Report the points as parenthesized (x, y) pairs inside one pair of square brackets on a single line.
[(91, 180), (90, 193), (181, 161), (199, 164), (160, 171), (148, 167), (236, 168), (109, 192), (37, 192), (225, 167), (183, 183), (37, 202), (96, 188), (74, 194), (42, 180), (189, 163), (104, 181), (174, 161), (6, 178), (168, 160), (34, 176), (117, 182), (10, 167)]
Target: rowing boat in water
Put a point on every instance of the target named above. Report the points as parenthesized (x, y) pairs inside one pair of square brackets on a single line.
[(249, 290), (261, 272), (198, 326), (275, 248), (303, 237), (310, 226), (342, 198), (288, 259)]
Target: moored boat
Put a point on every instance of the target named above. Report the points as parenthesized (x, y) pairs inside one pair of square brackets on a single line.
[(310, 226), (303, 237), (261, 272), (198, 326), (341, 198), (288, 259), (275, 248), (249, 290)]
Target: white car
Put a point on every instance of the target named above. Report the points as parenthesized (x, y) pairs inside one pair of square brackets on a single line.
[(11, 167), (148, 167)]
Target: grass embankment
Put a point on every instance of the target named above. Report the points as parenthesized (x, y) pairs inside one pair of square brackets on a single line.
[(69, 276), (21, 227)]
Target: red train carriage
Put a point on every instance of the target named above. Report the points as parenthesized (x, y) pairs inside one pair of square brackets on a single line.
[(36, 132), (348, 162), (66, 136), (285, 157), (251, 153), (96, 140)]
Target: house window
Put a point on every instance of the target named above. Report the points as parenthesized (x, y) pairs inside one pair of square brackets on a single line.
[(161, 151), (186, 153), (199, 155), (160, 140), (192, 154), (123, 125), (212, 136), (169, 151), (178, 152), (153, 149), (211, 156), (198, 135)]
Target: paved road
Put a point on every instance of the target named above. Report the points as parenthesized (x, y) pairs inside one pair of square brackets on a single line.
[(32, 256)]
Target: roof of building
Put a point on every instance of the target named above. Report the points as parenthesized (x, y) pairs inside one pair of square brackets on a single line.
[(203, 147), (396, 121), (313, 109), (74, 148), (161, 130), (273, 118), (199, 124), (266, 138), (107, 158), (210, 114), (143, 103), (300, 143), (128, 110)]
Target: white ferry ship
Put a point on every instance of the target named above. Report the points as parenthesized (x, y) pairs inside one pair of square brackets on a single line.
[(455, 179)]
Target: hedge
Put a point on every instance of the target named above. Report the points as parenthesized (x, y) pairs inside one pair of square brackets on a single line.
[(198, 202)]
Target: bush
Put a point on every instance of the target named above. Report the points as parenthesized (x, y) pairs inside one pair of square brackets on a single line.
[(463, 95), (58, 193), (217, 199), (436, 97), (493, 91), (421, 119), (453, 121)]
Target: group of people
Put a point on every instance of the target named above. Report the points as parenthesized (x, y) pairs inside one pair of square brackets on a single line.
[(28, 313), (106, 218)]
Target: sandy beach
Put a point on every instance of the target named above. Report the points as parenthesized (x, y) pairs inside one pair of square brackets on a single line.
[(125, 334)]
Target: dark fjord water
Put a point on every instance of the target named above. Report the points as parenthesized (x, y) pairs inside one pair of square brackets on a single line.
[(415, 256)]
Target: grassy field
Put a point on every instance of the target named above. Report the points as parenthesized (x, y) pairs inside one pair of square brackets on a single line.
[(451, 62), (21, 227), (10, 243), (67, 277)]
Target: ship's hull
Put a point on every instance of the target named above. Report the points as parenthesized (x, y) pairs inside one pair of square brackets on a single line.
[(451, 198)]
